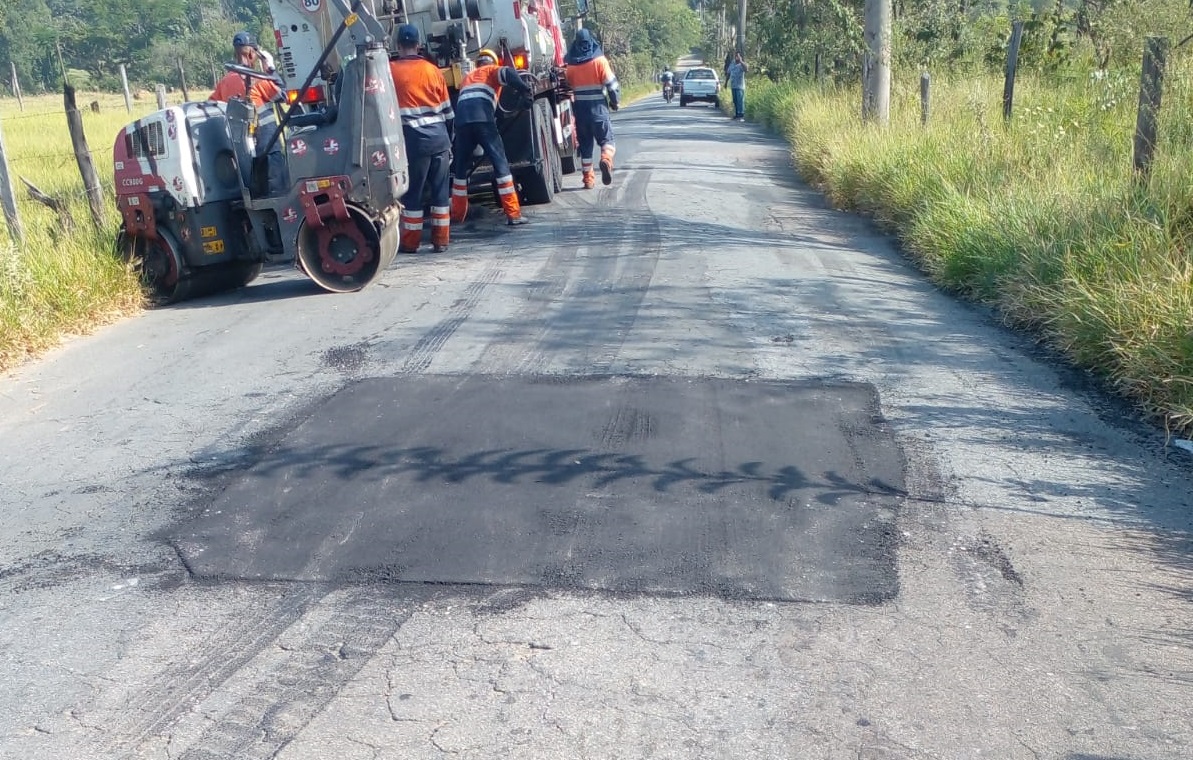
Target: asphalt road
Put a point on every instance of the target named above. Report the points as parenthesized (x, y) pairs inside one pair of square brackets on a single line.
[(690, 467)]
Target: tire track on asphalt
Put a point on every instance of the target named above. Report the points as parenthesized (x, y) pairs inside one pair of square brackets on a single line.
[(301, 680), (592, 288), (425, 349), (177, 689)]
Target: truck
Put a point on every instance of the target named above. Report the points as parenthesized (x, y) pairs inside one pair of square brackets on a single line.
[(540, 141)]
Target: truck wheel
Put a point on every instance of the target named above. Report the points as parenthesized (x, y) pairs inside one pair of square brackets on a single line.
[(557, 168), (250, 272), (539, 183), (683, 101)]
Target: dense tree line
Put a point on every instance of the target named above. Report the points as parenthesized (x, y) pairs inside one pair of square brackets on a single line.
[(92, 38), (644, 37), (805, 38)]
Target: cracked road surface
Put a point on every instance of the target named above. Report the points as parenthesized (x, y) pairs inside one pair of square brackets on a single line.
[(691, 467)]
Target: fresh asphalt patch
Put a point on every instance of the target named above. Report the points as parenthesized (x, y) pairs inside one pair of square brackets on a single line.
[(744, 489)]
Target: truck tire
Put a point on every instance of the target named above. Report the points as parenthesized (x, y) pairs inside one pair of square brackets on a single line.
[(683, 101), (539, 183)]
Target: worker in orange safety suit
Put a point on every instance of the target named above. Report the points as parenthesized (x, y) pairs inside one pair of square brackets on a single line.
[(476, 124), (427, 115), (234, 85), (261, 93), (590, 76)]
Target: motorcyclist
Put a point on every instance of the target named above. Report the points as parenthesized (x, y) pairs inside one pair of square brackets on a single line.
[(668, 80)]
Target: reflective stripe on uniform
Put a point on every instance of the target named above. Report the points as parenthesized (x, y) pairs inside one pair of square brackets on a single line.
[(505, 185), (478, 90), (421, 117), (594, 92), (411, 220)]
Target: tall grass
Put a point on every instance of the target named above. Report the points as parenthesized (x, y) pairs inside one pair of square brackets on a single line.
[(61, 279), (1040, 217)]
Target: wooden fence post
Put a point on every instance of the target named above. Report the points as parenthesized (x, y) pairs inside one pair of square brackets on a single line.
[(1008, 88), (128, 98), (74, 120), (161, 96), (186, 96), (925, 96), (16, 86), (8, 198), (1151, 93)]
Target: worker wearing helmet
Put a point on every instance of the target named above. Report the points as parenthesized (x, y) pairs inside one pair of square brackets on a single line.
[(261, 93), (590, 76), (476, 124), (234, 85), (426, 113)]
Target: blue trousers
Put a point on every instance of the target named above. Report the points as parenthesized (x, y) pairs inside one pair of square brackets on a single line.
[(428, 173), (593, 126), (484, 134), (739, 102)]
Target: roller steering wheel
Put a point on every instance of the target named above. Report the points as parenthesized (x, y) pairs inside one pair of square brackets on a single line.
[(246, 71)]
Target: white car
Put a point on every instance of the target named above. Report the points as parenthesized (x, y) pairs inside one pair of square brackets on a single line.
[(699, 84)]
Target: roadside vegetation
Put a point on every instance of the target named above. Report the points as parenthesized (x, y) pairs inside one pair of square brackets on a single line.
[(64, 277), (1040, 216)]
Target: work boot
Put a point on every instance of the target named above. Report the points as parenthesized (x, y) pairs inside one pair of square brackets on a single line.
[(606, 170), (517, 221), (458, 210), (589, 180), (440, 227), (411, 225)]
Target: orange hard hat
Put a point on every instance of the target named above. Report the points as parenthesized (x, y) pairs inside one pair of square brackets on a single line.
[(486, 53)]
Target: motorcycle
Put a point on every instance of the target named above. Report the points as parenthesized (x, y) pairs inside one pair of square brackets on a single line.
[(668, 92)]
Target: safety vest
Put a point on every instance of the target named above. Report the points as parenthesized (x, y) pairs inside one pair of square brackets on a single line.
[(423, 103), (479, 93), (588, 80)]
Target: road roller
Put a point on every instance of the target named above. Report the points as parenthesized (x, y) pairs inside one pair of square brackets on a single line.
[(210, 192)]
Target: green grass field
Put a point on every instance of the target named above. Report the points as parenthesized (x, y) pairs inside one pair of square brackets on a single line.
[(1041, 217), (60, 281)]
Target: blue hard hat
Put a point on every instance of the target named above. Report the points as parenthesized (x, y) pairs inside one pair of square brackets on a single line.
[(244, 39), (408, 34)]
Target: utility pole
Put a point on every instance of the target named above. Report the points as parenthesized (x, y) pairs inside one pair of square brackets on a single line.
[(741, 26), (876, 73)]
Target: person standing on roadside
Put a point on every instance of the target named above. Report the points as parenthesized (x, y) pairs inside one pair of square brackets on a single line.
[(427, 115), (736, 74)]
